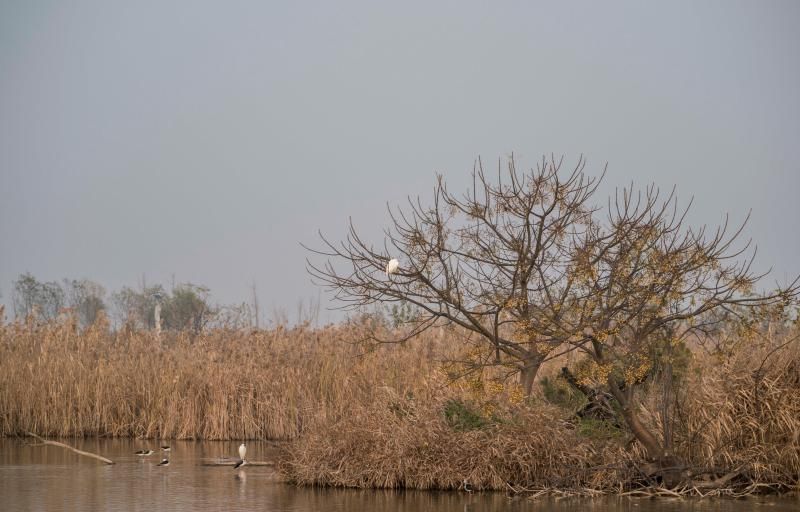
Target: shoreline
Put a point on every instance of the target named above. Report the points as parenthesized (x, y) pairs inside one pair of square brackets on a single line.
[(342, 415), (269, 469)]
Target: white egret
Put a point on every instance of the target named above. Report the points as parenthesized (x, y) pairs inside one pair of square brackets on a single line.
[(242, 453), (392, 267)]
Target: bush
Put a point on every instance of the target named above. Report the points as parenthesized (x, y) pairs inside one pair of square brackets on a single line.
[(559, 392), (598, 429), (461, 416)]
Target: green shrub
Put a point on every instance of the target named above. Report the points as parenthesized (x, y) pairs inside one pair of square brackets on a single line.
[(559, 392), (598, 429), (461, 416)]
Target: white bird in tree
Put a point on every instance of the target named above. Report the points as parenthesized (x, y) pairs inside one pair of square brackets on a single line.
[(392, 267)]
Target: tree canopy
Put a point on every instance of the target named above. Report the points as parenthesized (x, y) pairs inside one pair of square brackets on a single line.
[(530, 263)]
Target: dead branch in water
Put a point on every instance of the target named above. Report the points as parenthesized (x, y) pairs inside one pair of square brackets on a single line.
[(79, 452), (232, 462)]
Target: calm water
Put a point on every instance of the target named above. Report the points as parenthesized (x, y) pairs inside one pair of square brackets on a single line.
[(38, 478)]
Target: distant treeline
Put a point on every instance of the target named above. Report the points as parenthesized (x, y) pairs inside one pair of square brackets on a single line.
[(185, 306)]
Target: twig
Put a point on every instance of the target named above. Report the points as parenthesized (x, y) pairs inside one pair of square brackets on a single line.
[(79, 452)]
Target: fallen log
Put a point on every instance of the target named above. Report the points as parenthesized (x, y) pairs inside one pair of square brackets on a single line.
[(79, 452)]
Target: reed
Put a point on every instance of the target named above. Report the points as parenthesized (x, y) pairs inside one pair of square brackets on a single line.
[(736, 432), (393, 416), (743, 415), (58, 381)]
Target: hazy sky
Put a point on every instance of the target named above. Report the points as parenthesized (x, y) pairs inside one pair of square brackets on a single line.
[(207, 139)]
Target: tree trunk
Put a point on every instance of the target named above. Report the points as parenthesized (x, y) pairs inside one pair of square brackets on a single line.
[(528, 372), (648, 440), (668, 466), (654, 449)]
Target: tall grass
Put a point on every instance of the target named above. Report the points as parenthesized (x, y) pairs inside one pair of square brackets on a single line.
[(736, 431), (743, 414), (393, 416), (57, 381)]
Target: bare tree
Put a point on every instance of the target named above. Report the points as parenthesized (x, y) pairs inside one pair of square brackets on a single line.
[(86, 298), (188, 308), (185, 308), (30, 295), (481, 260), (232, 317), (639, 282), (137, 307), (526, 263)]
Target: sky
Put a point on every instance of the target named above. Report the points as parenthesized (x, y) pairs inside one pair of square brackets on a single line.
[(204, 142)]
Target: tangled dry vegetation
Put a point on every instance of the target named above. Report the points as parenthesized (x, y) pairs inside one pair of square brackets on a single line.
[(394, 417), (737, 433), (741, 420)]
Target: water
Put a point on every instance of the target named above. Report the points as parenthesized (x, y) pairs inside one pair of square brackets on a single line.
[(39, 478)]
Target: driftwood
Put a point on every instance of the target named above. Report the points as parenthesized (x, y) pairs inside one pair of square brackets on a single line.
[(718, 482), (232, 462), (79, 452)]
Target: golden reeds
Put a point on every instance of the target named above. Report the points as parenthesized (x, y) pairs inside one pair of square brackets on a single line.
[(738, 432), (743, 416), (392, 417), (57, 381)]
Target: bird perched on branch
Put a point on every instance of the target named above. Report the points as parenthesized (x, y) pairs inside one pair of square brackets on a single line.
[(392, 267), (242, 453)]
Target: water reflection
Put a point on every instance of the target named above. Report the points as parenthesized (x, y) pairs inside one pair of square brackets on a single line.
[(51, 478)]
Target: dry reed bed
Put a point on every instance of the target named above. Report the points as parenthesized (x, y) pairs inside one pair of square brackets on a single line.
[(398, 441), (743, 416), (737, 431), (376, 419), (56, 381)]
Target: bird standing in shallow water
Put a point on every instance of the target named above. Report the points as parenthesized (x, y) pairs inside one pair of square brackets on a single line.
[(242, 453)]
